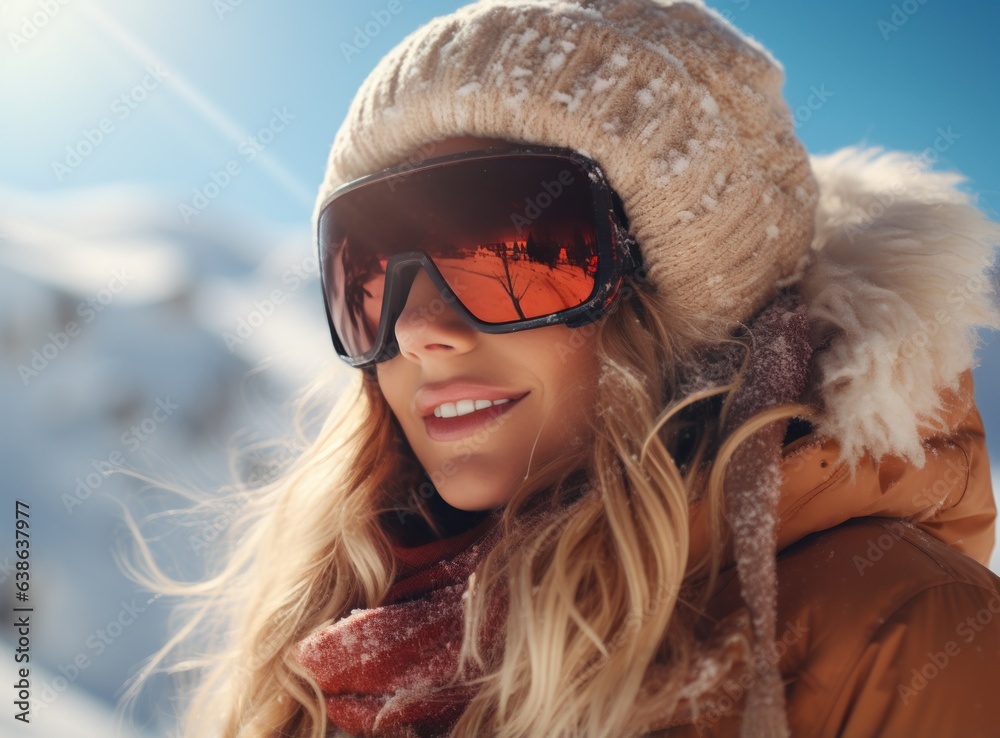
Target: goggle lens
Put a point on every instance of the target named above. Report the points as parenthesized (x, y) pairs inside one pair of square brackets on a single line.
[(513, 237)]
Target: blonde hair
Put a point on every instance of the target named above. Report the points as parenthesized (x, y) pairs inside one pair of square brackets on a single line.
[(598, 587)]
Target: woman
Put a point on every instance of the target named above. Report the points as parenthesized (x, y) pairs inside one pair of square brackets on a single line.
[(734, 484)]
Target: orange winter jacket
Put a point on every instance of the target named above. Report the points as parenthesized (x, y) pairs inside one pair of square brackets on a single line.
[(887, 615)]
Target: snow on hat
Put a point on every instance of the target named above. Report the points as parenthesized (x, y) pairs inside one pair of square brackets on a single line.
[(681, 110)]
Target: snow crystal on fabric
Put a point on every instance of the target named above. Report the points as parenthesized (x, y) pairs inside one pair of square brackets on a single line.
[(554, 61), (601, 84), (709, 105), (572, 101), (526, 38), (613, 371), (467, 88)]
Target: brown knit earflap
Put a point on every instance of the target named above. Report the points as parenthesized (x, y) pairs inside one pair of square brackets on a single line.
[(776, 373)]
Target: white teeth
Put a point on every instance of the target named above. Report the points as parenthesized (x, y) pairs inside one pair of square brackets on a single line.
[(464, 407)]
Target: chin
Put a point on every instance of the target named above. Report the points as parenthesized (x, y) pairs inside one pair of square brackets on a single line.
[(474, 504)]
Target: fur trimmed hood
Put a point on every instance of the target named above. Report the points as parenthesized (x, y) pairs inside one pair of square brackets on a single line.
[(898, 278)]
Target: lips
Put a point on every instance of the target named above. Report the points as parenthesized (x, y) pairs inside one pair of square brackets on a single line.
[(453, 429)]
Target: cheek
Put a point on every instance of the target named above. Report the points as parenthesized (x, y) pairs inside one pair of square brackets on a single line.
[(388, 382), (578, 359), (588, 378), (574, 368)]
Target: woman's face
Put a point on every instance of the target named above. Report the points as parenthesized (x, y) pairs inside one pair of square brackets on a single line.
[(554, 371)]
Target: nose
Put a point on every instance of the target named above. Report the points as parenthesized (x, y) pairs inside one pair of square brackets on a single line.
[(429, 327)]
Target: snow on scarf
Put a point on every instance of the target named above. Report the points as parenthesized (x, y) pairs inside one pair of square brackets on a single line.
[(384, 670)]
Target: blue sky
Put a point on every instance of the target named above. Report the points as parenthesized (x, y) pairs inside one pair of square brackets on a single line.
[(892, 74)]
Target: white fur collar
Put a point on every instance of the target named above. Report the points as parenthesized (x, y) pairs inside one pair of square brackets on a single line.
[(899, 272)]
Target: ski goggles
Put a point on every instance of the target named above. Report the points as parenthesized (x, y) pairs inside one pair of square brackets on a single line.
[(512, 238)]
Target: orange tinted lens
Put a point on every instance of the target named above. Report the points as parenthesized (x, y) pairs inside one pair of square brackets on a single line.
[(514, 237)]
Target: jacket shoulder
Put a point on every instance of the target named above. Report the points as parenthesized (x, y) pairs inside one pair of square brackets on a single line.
[(950, 495), (866, 612), (895, 628)]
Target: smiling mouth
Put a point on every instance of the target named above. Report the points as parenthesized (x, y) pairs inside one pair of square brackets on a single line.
[(453, 429)]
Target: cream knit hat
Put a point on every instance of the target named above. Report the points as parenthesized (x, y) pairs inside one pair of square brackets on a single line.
[(681, 110)]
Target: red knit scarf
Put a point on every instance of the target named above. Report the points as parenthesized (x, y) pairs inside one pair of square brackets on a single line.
[(384, 670)]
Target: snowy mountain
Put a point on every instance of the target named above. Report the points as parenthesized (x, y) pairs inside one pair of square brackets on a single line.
[(128, 335)]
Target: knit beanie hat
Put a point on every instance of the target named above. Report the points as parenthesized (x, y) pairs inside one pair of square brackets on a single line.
[(685, 116), (682, 111)]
